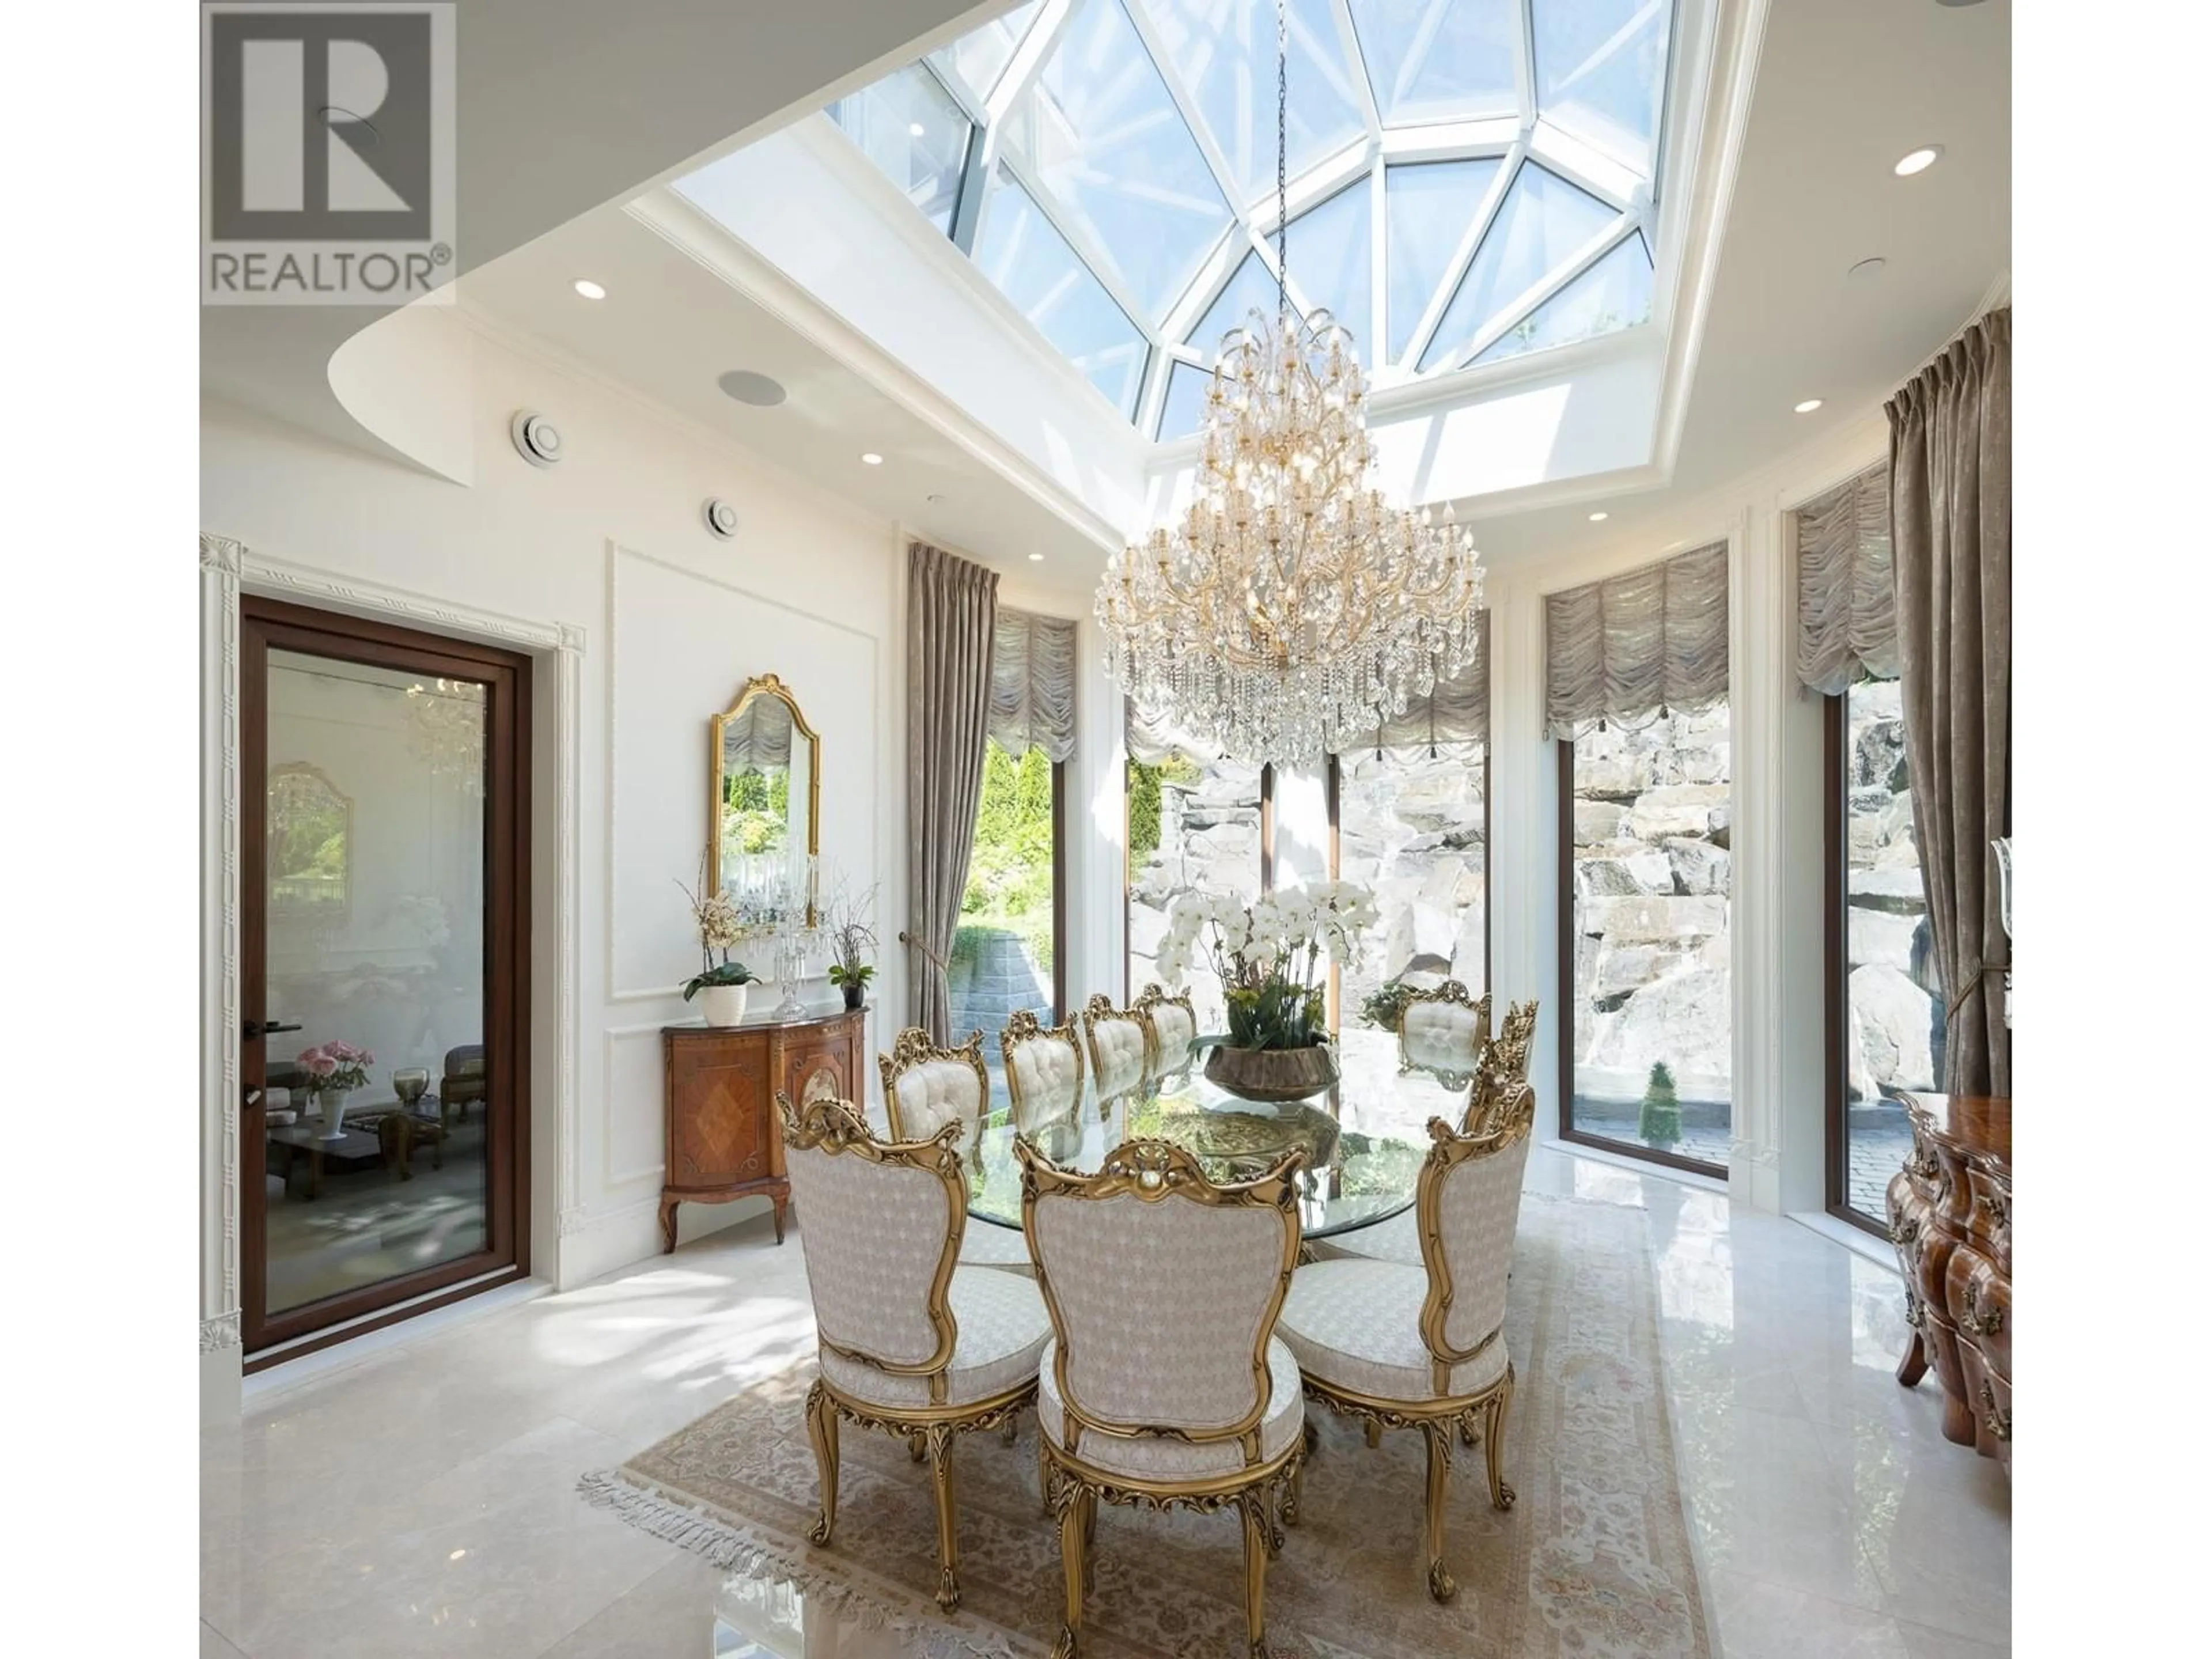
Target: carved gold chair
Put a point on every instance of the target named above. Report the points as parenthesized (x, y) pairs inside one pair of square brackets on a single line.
[(1163, 1384), (926, 1087), (1443, 1029), (1118, 1044), (1170, 1029), (1044, 1071), (1514, 1036), (1494, 1099), (909, 1341), (1424, 1347)]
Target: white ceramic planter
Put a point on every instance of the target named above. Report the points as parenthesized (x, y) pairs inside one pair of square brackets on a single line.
[(332, 1101), (723, 1005)]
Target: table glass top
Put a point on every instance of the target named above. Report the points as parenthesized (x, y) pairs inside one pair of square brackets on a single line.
[(1364, 1141)]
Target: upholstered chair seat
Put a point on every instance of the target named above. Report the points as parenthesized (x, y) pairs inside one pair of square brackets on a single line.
[(908, 1340), (1424, 1347), (1153, 1458), (1003, 1328), (1356, 1324)]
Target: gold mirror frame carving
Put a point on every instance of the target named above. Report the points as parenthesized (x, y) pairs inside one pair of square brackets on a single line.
[(762, 685)]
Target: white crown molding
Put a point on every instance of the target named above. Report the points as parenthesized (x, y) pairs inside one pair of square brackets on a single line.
[(229, 568)]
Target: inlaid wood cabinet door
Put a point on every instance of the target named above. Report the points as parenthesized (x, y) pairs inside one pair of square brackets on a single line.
[(818, 1069), (725, 1130)]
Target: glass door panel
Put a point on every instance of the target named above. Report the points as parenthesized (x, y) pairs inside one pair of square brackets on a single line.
[(384, 972)]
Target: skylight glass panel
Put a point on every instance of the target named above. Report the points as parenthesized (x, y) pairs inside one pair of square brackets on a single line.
[(1224, 51), (1441, 60), (1185, 409), (1030, 263), (1613, 293), (1251, 287), (1332, 263), (1426, 209), (1601, 69), (1543, 222), (914, 134), (1100, 132), (980, 56)]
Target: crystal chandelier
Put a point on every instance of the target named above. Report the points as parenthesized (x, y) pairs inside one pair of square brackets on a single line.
[(446, 730), (1292, 609)]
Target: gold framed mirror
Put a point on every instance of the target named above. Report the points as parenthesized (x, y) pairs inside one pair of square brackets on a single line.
[(310, 856), (765, 797)]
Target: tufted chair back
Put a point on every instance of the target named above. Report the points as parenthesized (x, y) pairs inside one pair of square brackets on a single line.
[(882, 1224), (926, 1087), (1466, 1207), (1044, 1071), (1173, 1340), (1443, 1029), (1116, 1040), (1170, 1027)]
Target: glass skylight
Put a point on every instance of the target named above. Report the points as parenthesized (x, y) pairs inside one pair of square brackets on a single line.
[(1109, 165)]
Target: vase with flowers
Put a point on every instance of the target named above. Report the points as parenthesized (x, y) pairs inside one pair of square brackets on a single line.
[(1271, 957), (720, 987), (852, 942), (333, 1070)]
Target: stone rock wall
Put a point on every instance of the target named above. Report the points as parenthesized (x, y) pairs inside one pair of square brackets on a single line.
[(989, 982), (1652, 871), (1895, 1028)]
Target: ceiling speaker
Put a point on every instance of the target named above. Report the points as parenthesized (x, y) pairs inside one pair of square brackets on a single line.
[(536, 438), (722, 518)]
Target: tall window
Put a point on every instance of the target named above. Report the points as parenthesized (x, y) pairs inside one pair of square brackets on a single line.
[(1643, 962), (1885, 1003), (1008, 951), (1409, 821)]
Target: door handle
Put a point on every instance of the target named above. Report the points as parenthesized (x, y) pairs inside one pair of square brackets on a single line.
[(256, 1029)]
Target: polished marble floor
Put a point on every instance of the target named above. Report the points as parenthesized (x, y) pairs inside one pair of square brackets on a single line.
[(422, 1501)]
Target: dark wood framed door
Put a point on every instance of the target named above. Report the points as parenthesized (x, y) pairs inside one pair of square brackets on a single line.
[(384, 820)]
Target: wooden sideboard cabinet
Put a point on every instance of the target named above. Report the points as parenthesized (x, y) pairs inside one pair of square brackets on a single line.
[(718, 1089), (1950, 1217)]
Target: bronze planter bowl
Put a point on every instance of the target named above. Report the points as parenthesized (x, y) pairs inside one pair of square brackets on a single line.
[(1271, 1075)]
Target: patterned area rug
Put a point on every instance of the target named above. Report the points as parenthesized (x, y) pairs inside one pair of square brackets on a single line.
[(1594, 1561)]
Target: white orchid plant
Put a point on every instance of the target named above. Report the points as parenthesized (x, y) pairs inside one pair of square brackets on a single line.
[(1271, 955)]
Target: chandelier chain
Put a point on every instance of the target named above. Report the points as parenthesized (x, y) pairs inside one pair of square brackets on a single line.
[(1282, 158)]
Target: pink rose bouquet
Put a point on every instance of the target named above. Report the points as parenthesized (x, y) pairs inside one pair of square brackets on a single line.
[(336, 1065)]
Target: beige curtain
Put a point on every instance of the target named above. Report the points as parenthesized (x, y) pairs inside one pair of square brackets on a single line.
[(1950, 469), (953, 609)]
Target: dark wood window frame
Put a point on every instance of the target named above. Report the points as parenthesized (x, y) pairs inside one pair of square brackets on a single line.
[(1565, 1021), (1836, 970), (270, 622)]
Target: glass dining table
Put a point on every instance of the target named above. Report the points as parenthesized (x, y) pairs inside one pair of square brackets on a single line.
[(1364, 1140)]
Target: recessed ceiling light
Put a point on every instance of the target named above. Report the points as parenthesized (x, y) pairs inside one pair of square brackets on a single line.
[(869, 458), (751, 386), (1808, 406), (590, 290), (916, 130), (1869, 267), (1036, 558), (1918, 161), (1598, 518)]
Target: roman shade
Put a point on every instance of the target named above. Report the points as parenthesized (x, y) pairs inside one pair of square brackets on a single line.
[(759, 736), (1625, 650), (1033, 684), (1451, 722), (1846, 585)]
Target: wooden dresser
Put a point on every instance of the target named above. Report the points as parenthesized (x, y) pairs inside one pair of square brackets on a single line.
[(1950, 1217), (718, 1104)]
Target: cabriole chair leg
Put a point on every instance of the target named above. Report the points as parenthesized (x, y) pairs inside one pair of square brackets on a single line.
[(948, 1541), (821, 1430), (1493, 1436), (1439, 1438)]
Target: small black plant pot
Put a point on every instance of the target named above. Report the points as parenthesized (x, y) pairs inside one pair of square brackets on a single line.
[(853, 994)]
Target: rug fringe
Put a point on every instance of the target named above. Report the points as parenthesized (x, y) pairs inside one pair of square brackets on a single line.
[(754, 1552)]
